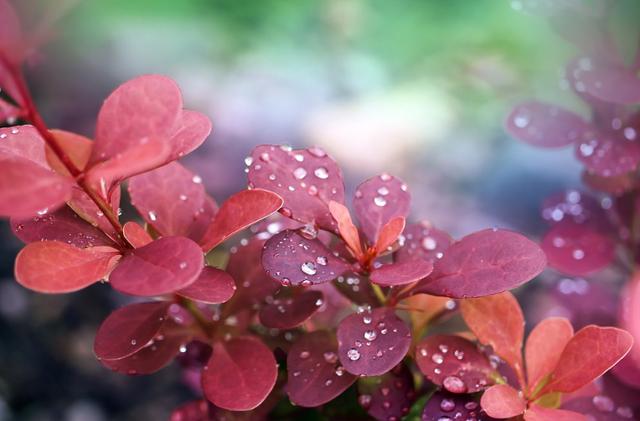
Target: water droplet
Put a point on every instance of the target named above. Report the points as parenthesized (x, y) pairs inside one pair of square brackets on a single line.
[(603, 403), (304, 355), (454, 384), (153, 216), (447, 405), (272, 177), (183, 197), (586, 149), (248, 161), (321, 260), (265, 157), (370, 335), (424, 352), (15, 131), (183, 265), (385, 177), (366, 320), (429, 243), (133, 342), (328, 382), (299, 173), (578, 254), (364, 400), (458, 354), (197, 179), (321, 173), (319, 302), (339, 371), (443, 348), (308, 268), (437, 358), (630, 133), (521, 120), (380, 201), (330, 357), (353, 354), (383, 191)]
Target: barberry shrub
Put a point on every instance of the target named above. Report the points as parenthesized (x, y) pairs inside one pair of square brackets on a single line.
[(594, 227), (310, 309)]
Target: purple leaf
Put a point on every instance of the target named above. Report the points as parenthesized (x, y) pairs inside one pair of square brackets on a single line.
[(372, 342), (213, 286), (169, 198), (574, 205), (444, 406), (295, 260), (129, 329), (484, 263), (63, 225), (577, 249), (454, 363), (314, 373), (161, 267), (608, 154), (545, 125), (377, 201), (289, 312), (389, 396), (307, 180), (423, 241), (401, 273)]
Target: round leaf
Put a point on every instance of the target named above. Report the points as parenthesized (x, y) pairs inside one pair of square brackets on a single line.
[(213, 286), (401, 273), (423, 241), (503, 401)]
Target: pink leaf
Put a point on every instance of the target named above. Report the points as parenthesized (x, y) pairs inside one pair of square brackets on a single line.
[(86, 208), (294, 260), (193, 128), (161, 267), (377, 201), (148, 107), (170, 198), (483, 263), (27, 188), (502, 401), (23, 142), (307, 180), (213, 286), (609, 82), (497, 320), (129, 329), (389, 234), (544, 346), (286, 313), (240, 374), (576, 368), (54, 267), (423, 241), (346, 228), (77, 147), (540, 413), (237, 213), (372, 343), (136, 235), (578, 249), (314, 373), (545, 125), (62, 225), (145, 156), (608, 154), (401, 273), (454, 363)]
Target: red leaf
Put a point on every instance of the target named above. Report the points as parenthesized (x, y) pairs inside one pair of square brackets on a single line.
[(252, 281), (170, 198), (148, 107), (129, 329), (502, 401), (497, 320), (544, 346), (377, 201), (539, 413), (455, 363), (577, 249), (87, 209), (545, 125), (591, 352), (26, 188), (237, 213), (307, 180), (240, 374), (372, 343), (423, 241), (161, 267), (314, 373), (401, 273), (144, 156), (389, 234), (62, 225), (346, 228), (390, 396), (483, 263), (213, 286), (294, 260), (136, 235), (607, 154), (286, 313), (444, 405), (54, 267), (10, 30)]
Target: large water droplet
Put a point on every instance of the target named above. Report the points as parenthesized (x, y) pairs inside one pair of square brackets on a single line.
[(299, 173), (308, 268), (370, 335), (454, 384), (153, 216), (437, 358), (447, 405), (380, 201), (321, 173), (353, 354)]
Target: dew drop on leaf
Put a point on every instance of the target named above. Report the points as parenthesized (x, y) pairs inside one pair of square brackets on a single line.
[(353, 354)]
